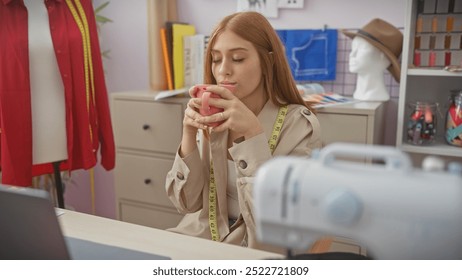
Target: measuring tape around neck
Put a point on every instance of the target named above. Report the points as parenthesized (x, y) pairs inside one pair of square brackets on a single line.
[(213, 224), (277, 128)]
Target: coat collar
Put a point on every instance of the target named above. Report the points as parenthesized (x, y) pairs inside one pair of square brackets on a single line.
[(267, 116)]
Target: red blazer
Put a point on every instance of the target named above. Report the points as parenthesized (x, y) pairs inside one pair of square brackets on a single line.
[(15, 101)]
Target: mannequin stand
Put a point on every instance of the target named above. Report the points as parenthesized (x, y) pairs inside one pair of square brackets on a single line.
[(58, 184)]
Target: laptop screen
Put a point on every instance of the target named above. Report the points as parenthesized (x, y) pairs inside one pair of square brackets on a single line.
[(29, 228)]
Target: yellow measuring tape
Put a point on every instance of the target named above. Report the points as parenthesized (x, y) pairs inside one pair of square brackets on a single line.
[(80, 18), (82, 24), (277, 128), (213, 224), (213, 206)]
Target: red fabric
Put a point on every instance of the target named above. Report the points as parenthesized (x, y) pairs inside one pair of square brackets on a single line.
[(15, 100)]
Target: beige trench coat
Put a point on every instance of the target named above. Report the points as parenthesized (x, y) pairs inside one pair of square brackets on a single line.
[(187, 183)]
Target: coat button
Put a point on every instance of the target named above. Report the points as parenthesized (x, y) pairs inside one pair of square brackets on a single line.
[(242, 164), (180, 175), (307, 112)]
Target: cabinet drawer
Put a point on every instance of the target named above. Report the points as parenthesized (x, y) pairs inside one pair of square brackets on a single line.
[(148, 125), (148, 216), (343, 128), (142, 178)]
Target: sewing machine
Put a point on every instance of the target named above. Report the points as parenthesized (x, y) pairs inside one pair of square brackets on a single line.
[(393, 209)]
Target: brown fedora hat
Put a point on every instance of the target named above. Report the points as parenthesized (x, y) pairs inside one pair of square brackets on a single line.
[(386, 38)]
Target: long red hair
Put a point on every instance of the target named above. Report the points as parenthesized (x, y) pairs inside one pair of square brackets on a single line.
[(279, 84)]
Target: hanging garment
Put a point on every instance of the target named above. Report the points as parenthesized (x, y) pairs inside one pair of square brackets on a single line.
[(88, 123)]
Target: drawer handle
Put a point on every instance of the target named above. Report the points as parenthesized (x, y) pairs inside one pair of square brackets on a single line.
[(146, 126), (147, 181)]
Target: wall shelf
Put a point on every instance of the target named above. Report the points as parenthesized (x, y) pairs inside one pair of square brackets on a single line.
[(432, 84), (432, 72)]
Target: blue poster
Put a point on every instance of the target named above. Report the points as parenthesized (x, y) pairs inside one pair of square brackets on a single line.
[(312, 54)]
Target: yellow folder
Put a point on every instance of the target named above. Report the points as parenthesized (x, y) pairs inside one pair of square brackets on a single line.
[(179, 30)]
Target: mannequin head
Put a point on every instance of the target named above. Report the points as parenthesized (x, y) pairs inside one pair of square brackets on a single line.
[(369, 63), (365, 58), (386, 38)]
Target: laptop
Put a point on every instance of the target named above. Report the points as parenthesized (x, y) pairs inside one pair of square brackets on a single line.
[(29, 230)]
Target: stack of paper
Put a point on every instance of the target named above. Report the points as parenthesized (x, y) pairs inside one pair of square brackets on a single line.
[(194, 50), (327, 99)]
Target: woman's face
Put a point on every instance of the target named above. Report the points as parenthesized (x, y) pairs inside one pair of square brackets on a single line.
[(235, 61)]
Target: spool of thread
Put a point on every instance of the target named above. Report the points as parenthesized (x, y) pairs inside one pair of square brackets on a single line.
[(419, 25), (432, 42), (434, 24), (449, 24), (417, 42), (417, 58), (432, 59), (447, 58), (421, 126), (447, 41)]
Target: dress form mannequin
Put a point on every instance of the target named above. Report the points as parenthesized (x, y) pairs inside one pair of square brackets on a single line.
[(47, 90), (370, 64), (79, 80), (49, 143)]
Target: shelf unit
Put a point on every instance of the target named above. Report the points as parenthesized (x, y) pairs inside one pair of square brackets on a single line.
[(430, 84)]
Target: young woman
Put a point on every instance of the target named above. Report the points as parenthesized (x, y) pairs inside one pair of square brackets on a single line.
[(263, 116)]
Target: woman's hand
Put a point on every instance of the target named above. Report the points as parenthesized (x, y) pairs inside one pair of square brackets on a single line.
[(236, 116), (191, 114), (190, 125)]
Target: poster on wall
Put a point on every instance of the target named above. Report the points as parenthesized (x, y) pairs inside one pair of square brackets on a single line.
[(269, 8), (311, 53)]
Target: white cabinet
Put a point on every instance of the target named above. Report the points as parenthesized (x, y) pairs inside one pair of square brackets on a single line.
[(147, 134), (428, 24), (360, 122)]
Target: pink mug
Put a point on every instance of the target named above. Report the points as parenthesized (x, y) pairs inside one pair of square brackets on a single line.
[(206, 109)]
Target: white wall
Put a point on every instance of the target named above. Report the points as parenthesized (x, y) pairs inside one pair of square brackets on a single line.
[(127, 69), (335, 13), (126, 37)]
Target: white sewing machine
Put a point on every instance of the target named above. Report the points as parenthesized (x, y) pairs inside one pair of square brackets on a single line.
[(394, 210)]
